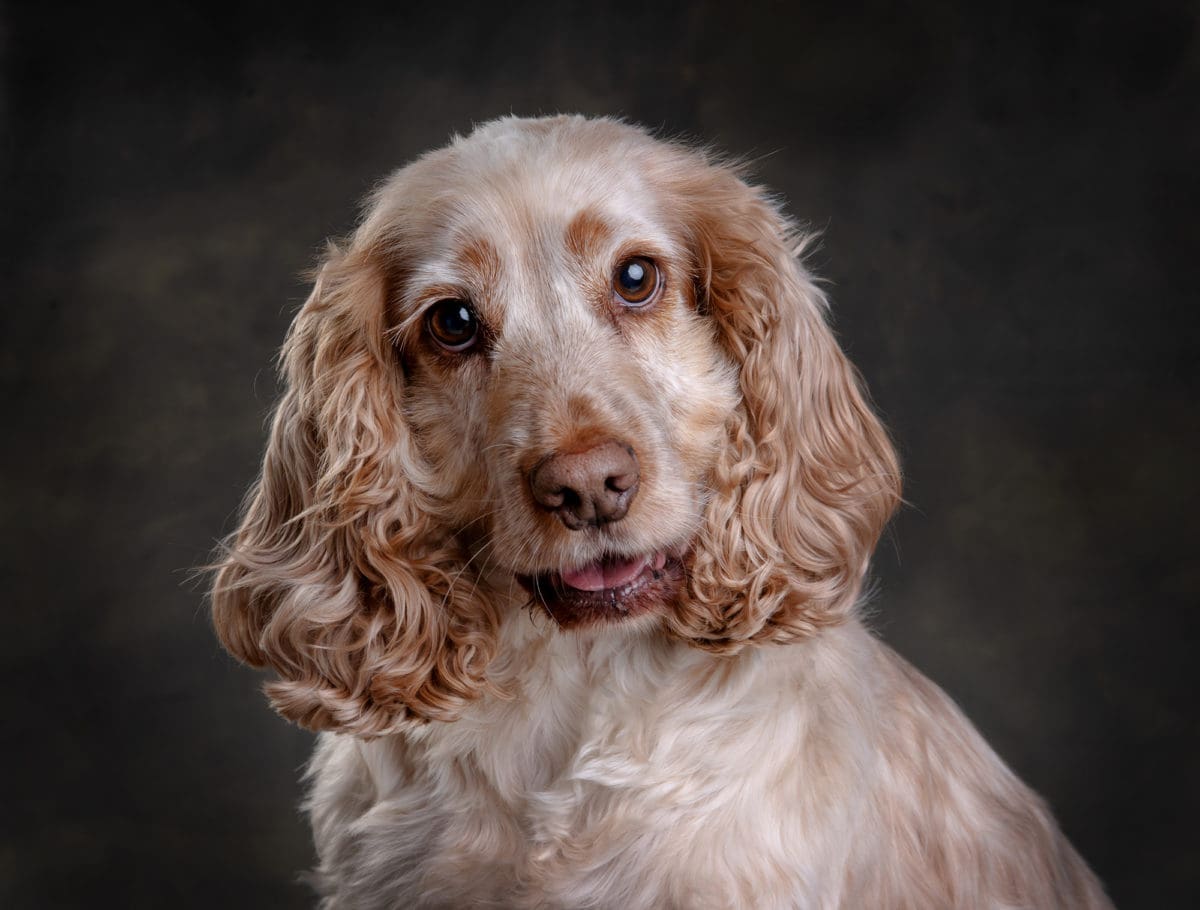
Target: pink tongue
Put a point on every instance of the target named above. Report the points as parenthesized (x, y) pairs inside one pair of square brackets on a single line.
[(607, 573)]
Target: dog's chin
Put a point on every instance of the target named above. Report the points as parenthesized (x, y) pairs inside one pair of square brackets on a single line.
[(613, 589)]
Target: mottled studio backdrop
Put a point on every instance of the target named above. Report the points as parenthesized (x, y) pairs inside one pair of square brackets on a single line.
[(1008, 200)]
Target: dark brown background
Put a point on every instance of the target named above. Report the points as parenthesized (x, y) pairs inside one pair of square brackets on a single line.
[(1008, 200)]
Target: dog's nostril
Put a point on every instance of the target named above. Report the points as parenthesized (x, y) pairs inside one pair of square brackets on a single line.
[(621, 482), (587, 488), (555, 498)]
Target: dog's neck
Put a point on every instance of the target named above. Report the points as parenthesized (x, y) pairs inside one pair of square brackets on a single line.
[(564, 693)]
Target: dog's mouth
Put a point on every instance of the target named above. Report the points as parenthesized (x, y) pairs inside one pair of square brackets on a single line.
[(611, 589)]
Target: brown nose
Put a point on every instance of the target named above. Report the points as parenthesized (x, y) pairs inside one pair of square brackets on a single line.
[(587, 488)]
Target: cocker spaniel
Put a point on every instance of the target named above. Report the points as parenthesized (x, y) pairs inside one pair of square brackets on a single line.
[(559, 537)]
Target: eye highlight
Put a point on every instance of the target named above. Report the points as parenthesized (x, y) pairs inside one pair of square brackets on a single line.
[(635, 281), (453, 324)]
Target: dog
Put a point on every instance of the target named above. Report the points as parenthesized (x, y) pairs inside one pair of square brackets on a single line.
[(560, 540)]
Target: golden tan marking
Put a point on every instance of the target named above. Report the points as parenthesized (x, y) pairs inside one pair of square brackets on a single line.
[(587, 236)]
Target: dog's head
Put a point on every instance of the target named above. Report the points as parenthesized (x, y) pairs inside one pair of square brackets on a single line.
[(560, 363)]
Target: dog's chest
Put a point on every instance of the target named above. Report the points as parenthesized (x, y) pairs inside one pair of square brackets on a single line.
[(610, 777), (557, 803)]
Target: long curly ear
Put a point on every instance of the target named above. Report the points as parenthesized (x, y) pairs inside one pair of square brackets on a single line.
[(808, 478), (339, 579)]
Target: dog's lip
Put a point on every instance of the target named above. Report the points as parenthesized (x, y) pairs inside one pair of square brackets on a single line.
[(602, 577), (611, 588), (610, 572)]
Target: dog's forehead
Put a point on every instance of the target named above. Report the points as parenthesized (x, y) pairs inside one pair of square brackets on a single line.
[(530, 203), (529, 215)]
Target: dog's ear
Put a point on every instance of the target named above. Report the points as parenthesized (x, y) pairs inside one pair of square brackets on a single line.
[(339, 577), (808, 478)]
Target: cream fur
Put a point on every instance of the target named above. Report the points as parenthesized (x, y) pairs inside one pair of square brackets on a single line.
[(746, 744), (638, 773)]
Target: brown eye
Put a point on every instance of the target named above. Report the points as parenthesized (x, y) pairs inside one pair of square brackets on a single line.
[(635, 281), (453, 324)]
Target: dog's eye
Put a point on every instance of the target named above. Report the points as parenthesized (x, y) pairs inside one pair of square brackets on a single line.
[(635, 281), (453, 324)]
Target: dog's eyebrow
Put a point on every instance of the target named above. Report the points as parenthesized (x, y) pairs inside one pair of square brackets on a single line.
[(479, 256), (587, 235)]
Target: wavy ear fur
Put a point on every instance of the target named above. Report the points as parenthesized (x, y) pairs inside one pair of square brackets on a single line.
[(809, 477), (338, 578)]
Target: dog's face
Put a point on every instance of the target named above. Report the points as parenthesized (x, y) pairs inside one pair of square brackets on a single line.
[(559, 375), (559, 363)]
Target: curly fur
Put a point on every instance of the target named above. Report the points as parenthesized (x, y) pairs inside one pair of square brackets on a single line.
[(476, 755)]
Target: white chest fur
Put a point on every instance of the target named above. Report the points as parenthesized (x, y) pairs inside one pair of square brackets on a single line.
[(628, 772), (646, 772)]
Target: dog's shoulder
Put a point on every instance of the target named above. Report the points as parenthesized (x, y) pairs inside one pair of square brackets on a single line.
[(638, 774)]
